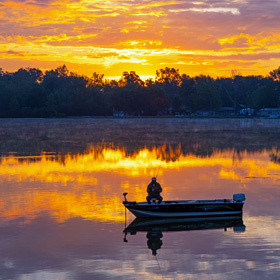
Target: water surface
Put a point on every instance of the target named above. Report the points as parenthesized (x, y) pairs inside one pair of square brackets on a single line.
[(61, 185)]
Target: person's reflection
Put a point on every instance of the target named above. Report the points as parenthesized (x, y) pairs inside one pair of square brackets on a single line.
[(154, 241)]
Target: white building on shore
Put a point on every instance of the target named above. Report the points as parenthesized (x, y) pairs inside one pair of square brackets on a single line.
[(269, 112)]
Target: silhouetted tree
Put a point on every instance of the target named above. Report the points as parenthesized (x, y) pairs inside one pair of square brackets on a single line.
[(186, 94), (275, 74), (29, 92), (168, 76), (96, 80), (169, 79), (207, 94), (129, 79)]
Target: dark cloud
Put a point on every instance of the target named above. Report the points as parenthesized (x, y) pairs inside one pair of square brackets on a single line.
[(11, 53), (254, 57), (29, 2), (259, 55)]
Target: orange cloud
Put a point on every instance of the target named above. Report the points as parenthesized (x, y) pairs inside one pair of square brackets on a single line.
[(182, 33)]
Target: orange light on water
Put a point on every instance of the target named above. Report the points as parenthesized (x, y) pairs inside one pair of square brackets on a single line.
[(90, 185)]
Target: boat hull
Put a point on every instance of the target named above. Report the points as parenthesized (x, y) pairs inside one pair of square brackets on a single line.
[(173, 209)]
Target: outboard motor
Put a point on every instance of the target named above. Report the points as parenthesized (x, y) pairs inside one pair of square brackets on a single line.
[(239, 197), (125, 200)]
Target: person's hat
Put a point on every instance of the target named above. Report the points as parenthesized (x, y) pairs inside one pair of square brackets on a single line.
[(154, 179)]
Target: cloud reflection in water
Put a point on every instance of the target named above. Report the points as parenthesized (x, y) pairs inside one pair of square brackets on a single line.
[(62, 218)]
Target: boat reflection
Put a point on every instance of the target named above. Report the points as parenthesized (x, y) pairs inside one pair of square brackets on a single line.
[(155, 227)]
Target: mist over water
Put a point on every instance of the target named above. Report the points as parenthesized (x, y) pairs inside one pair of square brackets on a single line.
[(61, 185)]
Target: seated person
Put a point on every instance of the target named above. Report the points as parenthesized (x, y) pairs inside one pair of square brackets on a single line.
[(154, 189)]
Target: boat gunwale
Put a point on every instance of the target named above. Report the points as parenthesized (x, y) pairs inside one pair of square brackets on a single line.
[(182, 202)]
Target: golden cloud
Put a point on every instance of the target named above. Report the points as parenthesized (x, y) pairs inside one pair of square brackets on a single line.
[(146, 33)]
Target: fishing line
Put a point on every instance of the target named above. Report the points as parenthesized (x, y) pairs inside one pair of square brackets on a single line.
[(159, 267), (125, 217), (125, 233)]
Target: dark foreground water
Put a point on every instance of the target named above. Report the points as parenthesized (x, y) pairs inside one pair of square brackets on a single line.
[(61, 185)]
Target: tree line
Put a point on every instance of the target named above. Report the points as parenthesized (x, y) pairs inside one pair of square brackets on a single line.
[(30, 92)]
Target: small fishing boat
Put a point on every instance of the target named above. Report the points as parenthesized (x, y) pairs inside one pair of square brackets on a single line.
[(186, 208)]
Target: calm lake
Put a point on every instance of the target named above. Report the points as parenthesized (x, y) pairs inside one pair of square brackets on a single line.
[(61, 186)]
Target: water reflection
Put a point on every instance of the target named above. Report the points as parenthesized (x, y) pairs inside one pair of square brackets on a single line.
[(42, 248), (200, 137), (155, 227), (81, 185), (61, 212)]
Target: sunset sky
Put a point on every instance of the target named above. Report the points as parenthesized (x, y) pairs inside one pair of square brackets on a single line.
[(211, 37)]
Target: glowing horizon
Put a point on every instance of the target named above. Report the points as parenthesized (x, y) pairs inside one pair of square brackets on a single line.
[(110, 37)]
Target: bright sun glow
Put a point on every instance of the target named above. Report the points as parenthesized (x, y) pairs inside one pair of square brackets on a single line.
[(110, 37)]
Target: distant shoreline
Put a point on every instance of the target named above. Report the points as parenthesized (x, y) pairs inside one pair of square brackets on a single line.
[(148, 117)]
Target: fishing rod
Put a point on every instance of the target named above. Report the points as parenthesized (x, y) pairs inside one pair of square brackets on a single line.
[(157, 171)]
